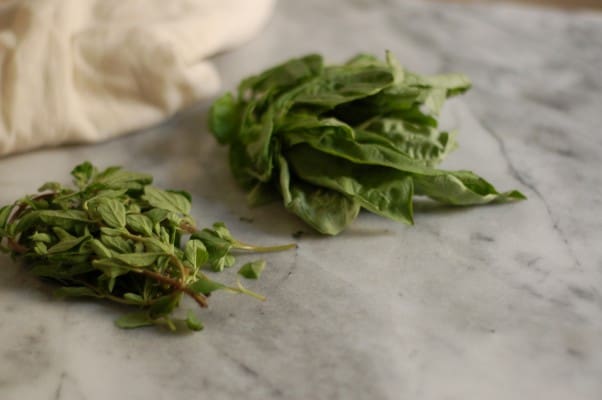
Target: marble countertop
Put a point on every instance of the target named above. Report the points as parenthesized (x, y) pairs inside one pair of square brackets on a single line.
[(500, 302)]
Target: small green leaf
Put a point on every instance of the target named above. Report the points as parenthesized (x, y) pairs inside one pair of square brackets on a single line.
[(66, 244), (61, 233), (99, 249), (222, 231), (66, 219), (154, 245), (83, 173), (137, 259), (4, 213), (252, 270), (133, 297), (75, 291), (196, 253), (134, 320), (113, 231), (171, 201), (40, 248), (50, 186), (119, 178), (116, 243), (221, 263), (164, 305), (41, 237), (193, 322), (216, 246), (140, 223), (112, 212), (206, 286), (157, 215), (110, 268)]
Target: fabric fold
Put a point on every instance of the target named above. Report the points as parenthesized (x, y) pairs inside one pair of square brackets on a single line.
[(74, 71)]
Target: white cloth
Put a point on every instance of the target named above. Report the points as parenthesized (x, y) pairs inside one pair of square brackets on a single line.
[(87, 70)]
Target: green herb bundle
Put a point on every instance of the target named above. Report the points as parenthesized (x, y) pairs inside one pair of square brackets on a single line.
[(329, 140), (117, 237)]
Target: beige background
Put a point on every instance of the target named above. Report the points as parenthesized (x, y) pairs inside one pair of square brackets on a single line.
[(568, 4)]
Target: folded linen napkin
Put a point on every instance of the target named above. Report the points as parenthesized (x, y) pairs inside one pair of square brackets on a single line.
[(87, 70)]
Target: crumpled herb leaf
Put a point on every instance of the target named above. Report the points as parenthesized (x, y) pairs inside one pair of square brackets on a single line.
[(116, 237), (331, 139)]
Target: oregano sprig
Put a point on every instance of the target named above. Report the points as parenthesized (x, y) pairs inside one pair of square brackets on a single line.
[(118, 238)]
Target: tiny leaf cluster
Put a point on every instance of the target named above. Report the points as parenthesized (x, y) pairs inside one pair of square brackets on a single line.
[(117, 237)]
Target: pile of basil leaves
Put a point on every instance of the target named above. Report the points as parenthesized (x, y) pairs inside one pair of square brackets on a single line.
[(330, 140)]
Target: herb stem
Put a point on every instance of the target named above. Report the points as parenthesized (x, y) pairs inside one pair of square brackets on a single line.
[(16, 246), (262, 249), (112, 298), (199, 298)]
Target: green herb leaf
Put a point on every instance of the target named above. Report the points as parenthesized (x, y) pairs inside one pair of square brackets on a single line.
[(134, 320), (206, 286), (252, 270), (137, 259), (196, 253), (329, 140), (83, 174), (99, 248), (193, 322), (140, 223), (41, 237), (116, 243), (171, 201), (164, 305), (118, 178), (224, 118), (4, 213), (134, 298), (66, 244), (326, 210), (75, 291), (51, 186), (117, 238), (112, 212)]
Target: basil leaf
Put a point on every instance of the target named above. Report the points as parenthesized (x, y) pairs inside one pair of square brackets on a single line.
[(327, 211), (462, 188), (383, 191), (224, 118)]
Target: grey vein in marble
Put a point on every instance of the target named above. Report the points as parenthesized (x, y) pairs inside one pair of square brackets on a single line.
[(501, 302)]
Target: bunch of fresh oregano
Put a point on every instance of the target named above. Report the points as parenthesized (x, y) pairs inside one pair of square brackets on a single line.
[(117, 237), (330, 140)]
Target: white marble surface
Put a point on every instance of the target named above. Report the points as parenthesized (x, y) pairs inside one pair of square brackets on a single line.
[(501, 302)]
